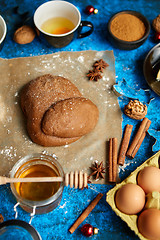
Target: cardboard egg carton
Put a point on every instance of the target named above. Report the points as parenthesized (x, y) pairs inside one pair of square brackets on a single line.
[(131, 220)]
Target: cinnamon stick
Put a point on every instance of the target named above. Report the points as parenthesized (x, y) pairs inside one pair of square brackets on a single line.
[(124, 144), (139, 137), (112, 159), (110, 163), (85, 213)]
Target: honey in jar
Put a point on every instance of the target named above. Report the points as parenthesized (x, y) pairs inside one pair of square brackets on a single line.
[(37, 191), (41, 196)]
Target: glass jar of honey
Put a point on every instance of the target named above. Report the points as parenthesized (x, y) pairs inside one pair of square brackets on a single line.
[(43, 197)]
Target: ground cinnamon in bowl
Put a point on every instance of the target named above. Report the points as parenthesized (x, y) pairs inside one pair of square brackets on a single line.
[(127, 27)]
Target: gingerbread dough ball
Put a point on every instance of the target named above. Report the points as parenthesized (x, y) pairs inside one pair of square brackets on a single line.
[(24, 35), (156, 24), (56, 112), (73, 117)]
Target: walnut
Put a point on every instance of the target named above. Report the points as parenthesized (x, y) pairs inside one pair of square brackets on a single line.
[(135, 109), (24, 35), (156, 24)]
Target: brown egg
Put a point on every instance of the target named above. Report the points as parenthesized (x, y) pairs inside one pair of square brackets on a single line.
[(130, 199), (149, 224), (149, 179)]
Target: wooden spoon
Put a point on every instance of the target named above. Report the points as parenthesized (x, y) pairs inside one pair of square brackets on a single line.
[(5, 180)]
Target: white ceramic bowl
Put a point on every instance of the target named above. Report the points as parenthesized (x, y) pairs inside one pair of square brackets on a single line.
[(3, 31)]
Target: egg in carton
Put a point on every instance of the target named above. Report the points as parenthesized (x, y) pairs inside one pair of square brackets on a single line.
[(152, 198)]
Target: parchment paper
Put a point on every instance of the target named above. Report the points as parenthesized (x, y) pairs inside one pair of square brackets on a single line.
[(14, 140)]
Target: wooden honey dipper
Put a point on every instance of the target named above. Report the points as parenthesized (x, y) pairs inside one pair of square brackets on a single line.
[(74, 179)]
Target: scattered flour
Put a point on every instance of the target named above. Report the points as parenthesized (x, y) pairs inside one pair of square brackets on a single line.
[(63, 206), (81, 59), (9, 152)]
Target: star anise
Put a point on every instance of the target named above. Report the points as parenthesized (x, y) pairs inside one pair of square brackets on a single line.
[(99, 65), (94, 75), (98, 170)]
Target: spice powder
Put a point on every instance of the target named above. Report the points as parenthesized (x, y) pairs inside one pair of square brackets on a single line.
[(127, 27)]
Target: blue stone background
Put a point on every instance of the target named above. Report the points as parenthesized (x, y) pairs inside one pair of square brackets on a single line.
[(130, 83)]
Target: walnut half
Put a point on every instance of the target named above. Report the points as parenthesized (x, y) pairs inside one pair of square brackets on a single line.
[(135, 109)]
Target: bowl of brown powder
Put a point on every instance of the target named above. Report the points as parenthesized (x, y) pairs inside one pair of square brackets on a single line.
[(128, 29)]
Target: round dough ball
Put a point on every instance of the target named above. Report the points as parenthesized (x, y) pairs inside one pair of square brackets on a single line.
[(130, 199), (73, 117), (24, 35)]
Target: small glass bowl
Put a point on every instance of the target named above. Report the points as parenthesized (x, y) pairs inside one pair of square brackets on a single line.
[(42, 206)]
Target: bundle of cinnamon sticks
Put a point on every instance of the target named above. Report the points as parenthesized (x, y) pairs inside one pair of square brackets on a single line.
[(114, 158)]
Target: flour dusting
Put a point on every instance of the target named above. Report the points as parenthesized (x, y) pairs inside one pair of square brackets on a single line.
[(81, 59)]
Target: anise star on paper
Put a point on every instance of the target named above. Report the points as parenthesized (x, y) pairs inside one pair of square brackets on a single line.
[(99, 65), (94, 75), (98, 170)]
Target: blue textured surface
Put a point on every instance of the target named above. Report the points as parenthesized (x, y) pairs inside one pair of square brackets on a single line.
[(129, 73)]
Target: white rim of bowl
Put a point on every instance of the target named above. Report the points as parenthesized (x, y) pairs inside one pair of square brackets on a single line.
[(58, 35), (5, 29)]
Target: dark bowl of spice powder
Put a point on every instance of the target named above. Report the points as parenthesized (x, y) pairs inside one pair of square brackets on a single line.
[(128, 29)]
